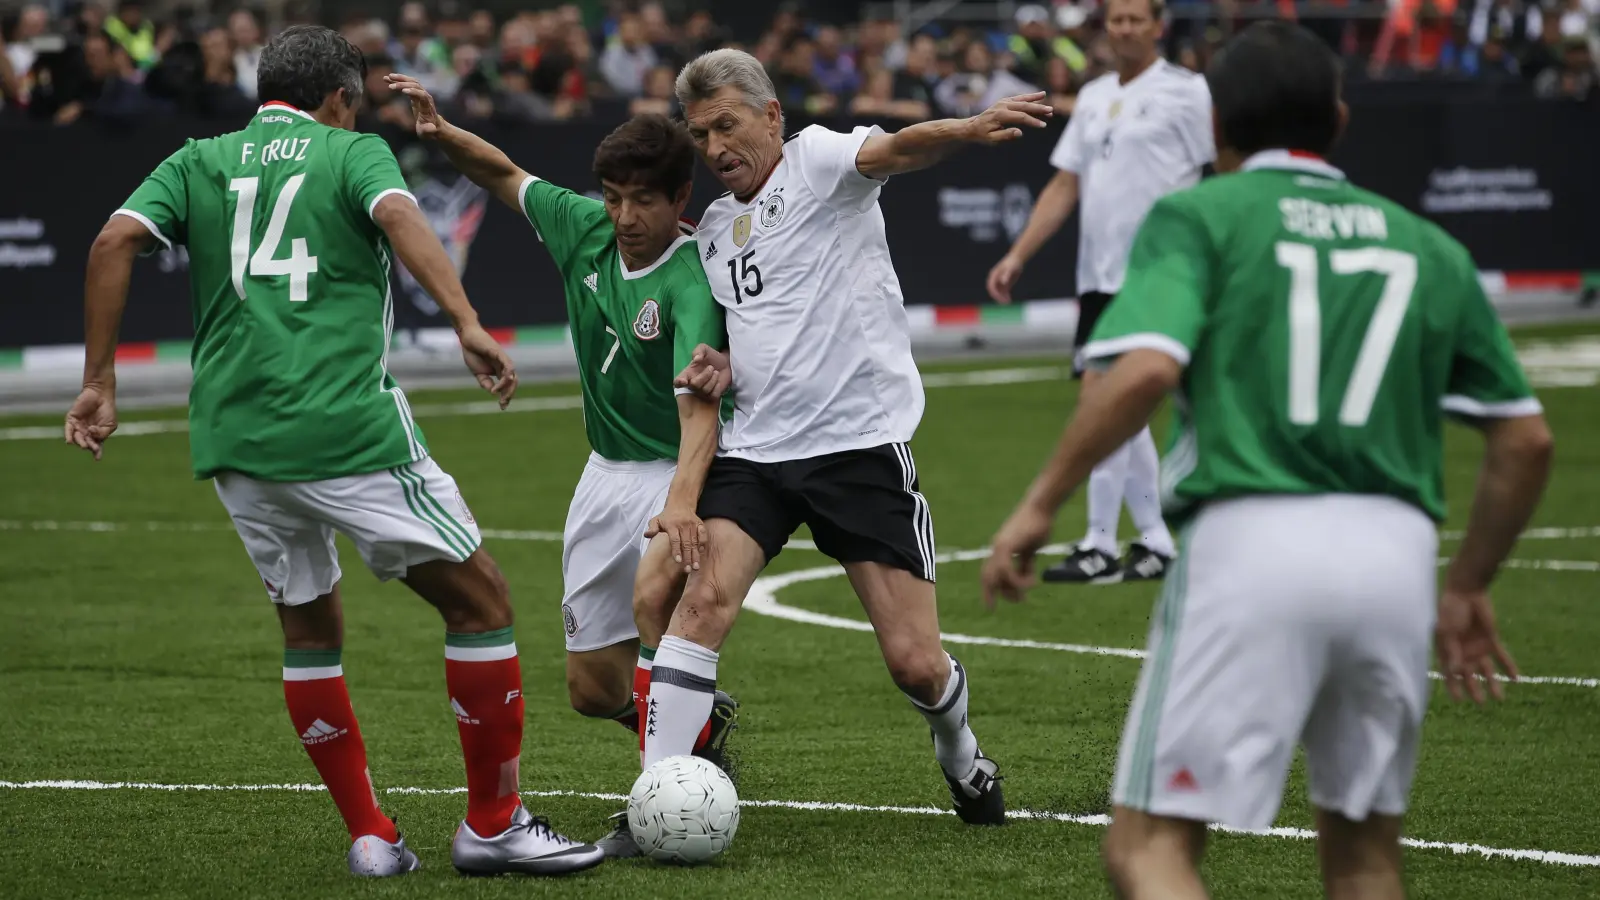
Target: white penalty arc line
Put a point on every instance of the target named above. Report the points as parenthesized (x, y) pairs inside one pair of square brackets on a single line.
[(763, 600), (1548, 857)]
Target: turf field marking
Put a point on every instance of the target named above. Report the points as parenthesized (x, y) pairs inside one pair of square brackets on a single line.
[(763, 600), (1542, 856)]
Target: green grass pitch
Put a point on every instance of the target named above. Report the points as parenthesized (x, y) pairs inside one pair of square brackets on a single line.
[(151, 656)]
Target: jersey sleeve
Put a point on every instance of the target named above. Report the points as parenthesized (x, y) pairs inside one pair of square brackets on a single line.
[(161, 202), (1195, 133), (560, 218), (1069, 155), (371, 173), (828, 164), (1486, 380), (1163, 302), (696, 319)]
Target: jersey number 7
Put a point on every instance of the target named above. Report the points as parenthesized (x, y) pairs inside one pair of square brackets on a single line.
[(263, 263), (1399, 271)]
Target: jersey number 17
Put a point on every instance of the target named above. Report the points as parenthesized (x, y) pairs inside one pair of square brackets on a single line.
[(1399, 271), (264, 262)]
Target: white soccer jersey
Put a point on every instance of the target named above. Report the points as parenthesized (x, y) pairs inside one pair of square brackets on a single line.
[(817, 328), (1130, 145)]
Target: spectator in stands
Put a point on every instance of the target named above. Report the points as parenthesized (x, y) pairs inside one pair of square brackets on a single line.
[(1545, 53), (416, 52), (700, 35), (474, 97), (220, 95), (32, 24), (371, 36), (658, 34), (658, 96), (877, 101), (1063, 88), (10, 84), (481, 30), (134, 33), (917, 76), (1574, 78), (1575, 17), (979, 84), (627, 57), (245, 30), (834, 68), (1517, 25), (795, 79), (1035, 43)]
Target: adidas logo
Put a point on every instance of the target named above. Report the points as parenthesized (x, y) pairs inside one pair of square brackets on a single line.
[(461, 713), (1183, 780), (592, 281), (711, 251), (321, 732)]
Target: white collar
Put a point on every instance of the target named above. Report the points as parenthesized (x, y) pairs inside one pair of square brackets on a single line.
[(1295, 162), (284, 107), (1160, 63), (665, 255)]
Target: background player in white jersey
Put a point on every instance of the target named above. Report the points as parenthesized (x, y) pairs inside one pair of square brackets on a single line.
[(826, 398), (1135, 134), (295, 418), (1314, 334)]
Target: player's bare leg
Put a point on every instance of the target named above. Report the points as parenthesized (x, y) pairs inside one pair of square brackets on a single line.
[(1154, 857), (600, 683), (485, 683), (683, 678), (904, 613), (1360, 860), (319, 706)]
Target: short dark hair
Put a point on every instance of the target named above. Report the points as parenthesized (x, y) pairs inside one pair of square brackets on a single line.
[(650, 150), (306, 63), (1275, 86)]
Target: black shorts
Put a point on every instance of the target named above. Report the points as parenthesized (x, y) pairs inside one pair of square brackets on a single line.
[(862, 505), (1090, 307)]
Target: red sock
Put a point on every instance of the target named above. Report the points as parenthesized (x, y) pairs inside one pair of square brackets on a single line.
[(319, 707), (641, 700), (485, 682)]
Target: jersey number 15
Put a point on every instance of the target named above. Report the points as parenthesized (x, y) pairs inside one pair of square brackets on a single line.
[(1399, 271), (300, 264)]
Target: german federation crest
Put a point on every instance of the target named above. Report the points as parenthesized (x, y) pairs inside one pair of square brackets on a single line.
[(772, 211), (741, 230), (647, 324)]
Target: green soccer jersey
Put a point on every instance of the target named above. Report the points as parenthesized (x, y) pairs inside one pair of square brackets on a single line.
[(289, 280), (632, 332), (1322, 328)]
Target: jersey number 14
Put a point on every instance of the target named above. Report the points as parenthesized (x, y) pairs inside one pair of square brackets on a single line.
[(264, 262), (1399, 271)]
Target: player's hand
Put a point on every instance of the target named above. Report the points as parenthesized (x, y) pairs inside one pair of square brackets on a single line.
[(92, 419), (1007, 119), (709, 373), (1008, 572), (1003, 277), (687, 533), (1469, 646), (423, 109), (489, 362)]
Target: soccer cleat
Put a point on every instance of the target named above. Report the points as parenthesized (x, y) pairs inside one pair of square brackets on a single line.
[(372, 856), (724, 719), (529, 847), (1085, 565), (977, 797), (619, 843), (1144, 564)]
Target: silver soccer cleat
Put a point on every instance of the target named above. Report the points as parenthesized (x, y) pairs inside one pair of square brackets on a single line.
[(619, 843), (372, 856), (529, 847)]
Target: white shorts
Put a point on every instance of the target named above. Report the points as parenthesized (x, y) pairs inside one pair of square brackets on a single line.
[(1286, 620), (603, 542), (397, 518)]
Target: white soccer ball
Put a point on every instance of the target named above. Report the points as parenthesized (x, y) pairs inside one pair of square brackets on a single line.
[(683, 810)]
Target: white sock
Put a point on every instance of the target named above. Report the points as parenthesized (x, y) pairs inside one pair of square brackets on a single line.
[(1143, 494), (954, 745), (683, 684), (1106, 483)]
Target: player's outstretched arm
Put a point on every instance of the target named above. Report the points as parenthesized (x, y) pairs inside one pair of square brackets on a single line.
[(419, 248), (1050, 212), (925, 143), (105, 294), (699, 424), (482, 162)]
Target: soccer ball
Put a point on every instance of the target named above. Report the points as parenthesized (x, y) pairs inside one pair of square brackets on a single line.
[(683, 810)]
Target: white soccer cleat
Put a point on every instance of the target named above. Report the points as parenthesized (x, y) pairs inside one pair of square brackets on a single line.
[(372, 856), (529, 847)]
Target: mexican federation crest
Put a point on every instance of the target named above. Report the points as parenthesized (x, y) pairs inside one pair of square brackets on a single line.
[(647, 324), (741, 230)]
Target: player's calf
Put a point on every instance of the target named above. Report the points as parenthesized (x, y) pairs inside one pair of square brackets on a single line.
[(1360, 860), (600, 683), (1152, 857)]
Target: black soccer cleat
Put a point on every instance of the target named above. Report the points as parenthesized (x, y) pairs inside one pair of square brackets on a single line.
[(1144, 564), (724, 719), (1085, 565), (977, 797)]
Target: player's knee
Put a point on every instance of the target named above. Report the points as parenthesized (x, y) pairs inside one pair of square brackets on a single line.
[(590, 697), (921, 672), (485, 603), (706, 612)]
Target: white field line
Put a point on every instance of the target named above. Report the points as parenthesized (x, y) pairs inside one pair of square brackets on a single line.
[(1542, 856), (763, 600), (978, 378)]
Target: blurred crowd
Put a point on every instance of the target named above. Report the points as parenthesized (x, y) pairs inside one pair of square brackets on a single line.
[(120, 64)]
